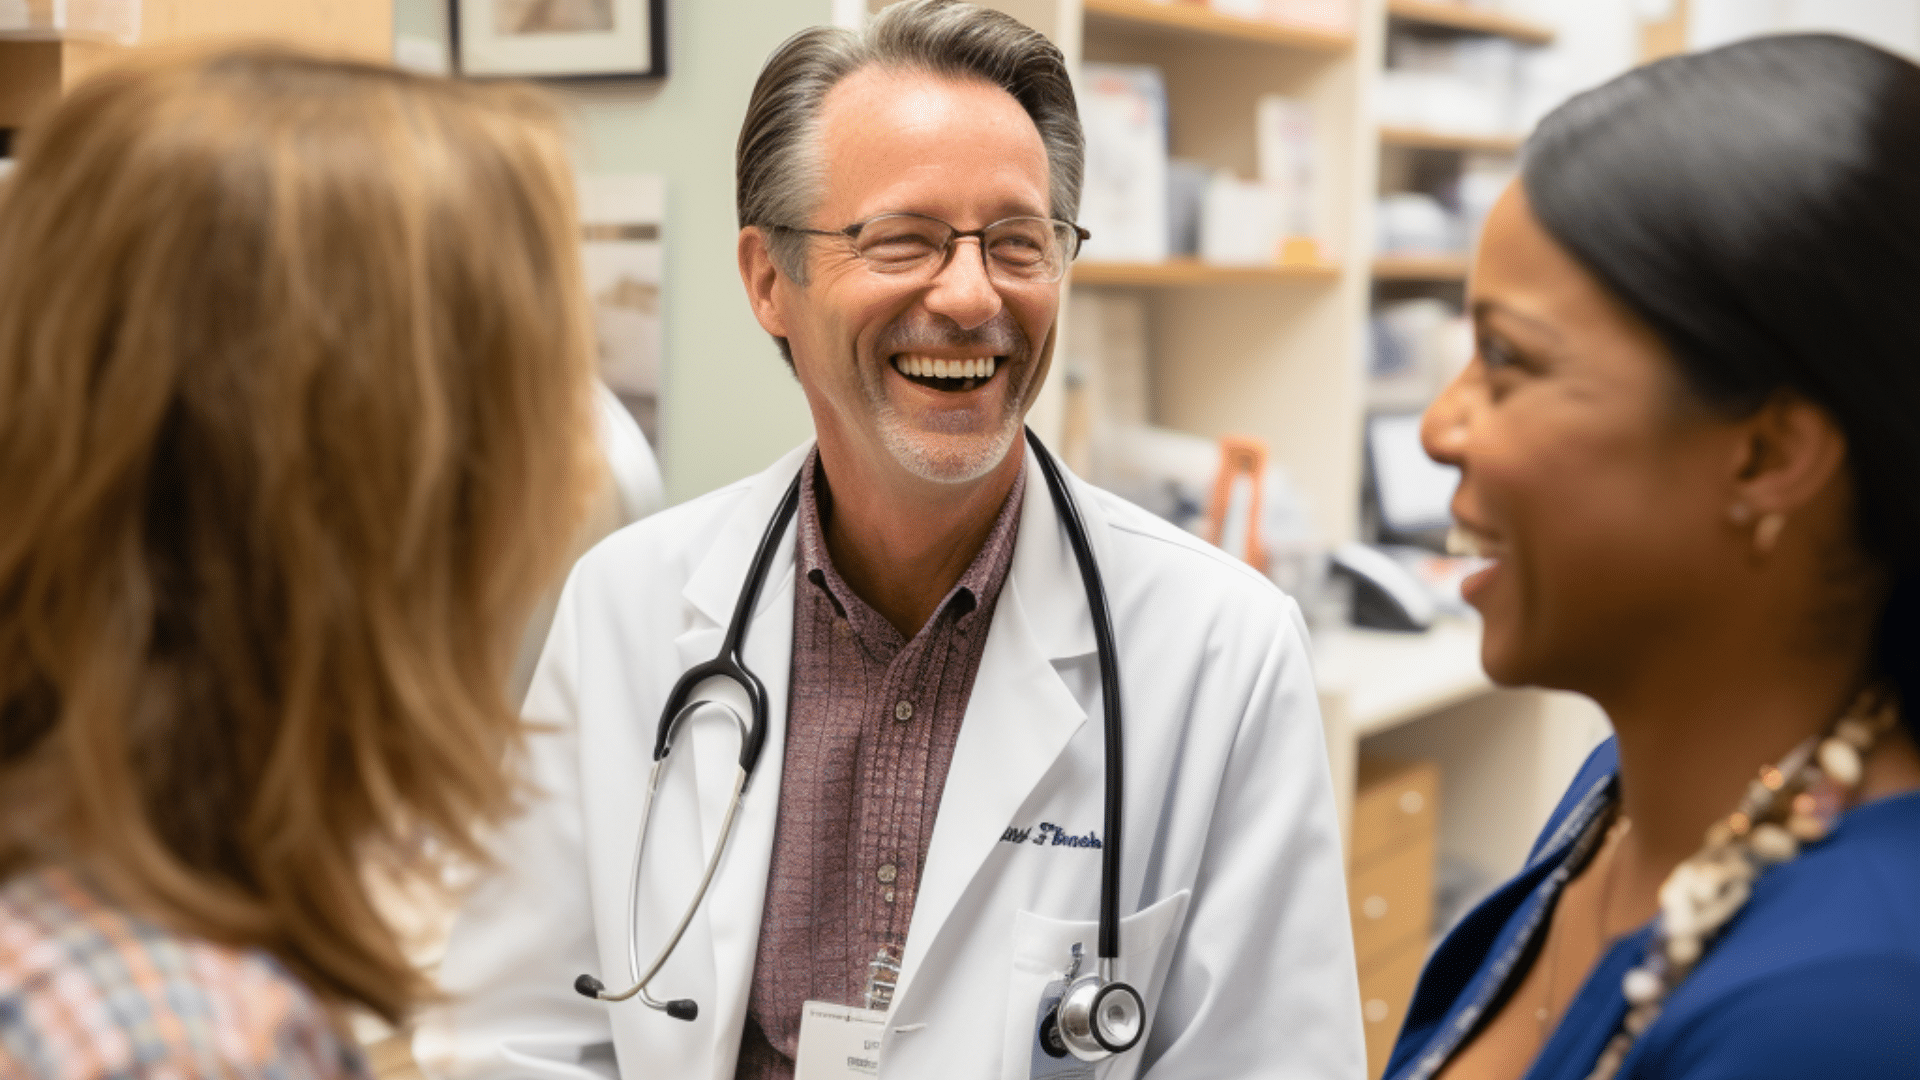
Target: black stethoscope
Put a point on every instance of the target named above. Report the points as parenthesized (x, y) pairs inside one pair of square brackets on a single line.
[(1096, 1014)]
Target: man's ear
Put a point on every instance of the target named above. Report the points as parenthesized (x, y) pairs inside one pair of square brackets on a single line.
[(1791, 450), (762, 278)]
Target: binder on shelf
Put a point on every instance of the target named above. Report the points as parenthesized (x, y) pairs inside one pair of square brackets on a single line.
[(1123, 202)]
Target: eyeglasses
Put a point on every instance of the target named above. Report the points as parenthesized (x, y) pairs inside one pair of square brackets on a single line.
[(914, 247)]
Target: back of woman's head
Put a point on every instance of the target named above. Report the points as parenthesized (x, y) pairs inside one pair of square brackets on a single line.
[(294, 369), (1759, 206)]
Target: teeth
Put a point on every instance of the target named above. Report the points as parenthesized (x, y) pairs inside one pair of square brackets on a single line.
[(1461, 542), (928, 367)]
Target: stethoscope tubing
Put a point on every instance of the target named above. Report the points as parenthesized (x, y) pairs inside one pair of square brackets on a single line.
[(1113, 745), (729, 664)]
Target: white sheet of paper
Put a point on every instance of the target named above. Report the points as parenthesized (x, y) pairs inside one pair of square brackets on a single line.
[(838, 1042)]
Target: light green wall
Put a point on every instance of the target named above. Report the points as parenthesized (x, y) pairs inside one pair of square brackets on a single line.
[(729, 405)]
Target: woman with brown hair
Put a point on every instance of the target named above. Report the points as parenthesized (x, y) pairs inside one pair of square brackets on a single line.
[(294, 426)]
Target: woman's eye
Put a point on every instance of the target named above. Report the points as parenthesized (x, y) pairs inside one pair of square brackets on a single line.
[(1504, 365), (1496, 353)]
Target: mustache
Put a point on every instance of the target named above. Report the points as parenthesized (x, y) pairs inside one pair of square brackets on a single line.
[(919, 332)]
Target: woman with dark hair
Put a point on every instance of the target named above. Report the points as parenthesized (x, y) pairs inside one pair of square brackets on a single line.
[(1689, 442)]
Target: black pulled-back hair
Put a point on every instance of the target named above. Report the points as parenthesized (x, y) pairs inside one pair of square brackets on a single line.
[(1758, 206)]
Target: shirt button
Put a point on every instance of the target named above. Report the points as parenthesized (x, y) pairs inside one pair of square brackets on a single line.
[(887, 873), (903, 711), (843, 628), (887, 896)]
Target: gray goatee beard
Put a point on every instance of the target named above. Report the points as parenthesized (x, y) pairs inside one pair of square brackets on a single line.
[(957, 457)]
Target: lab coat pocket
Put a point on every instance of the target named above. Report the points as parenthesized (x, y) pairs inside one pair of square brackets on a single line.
[(1042, 949)]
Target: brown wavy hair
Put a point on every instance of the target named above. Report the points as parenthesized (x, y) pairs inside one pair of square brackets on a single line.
[(294, 426)]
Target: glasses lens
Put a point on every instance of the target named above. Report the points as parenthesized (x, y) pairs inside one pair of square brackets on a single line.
[(903, 243), (1029, 249)]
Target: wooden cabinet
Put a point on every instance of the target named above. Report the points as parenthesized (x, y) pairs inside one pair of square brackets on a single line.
[(33, 73), (1390, 890), (356, 27), (36, 72), (1386, 987)]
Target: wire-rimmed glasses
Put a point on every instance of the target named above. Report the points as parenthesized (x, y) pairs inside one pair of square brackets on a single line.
[(914, 247)]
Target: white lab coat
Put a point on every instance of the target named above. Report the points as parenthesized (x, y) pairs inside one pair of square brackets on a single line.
[(1235, 923)]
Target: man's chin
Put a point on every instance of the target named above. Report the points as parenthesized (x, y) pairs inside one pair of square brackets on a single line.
[(949, 457)]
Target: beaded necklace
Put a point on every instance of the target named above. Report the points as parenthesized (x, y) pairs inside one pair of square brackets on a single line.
[(1791, 804)]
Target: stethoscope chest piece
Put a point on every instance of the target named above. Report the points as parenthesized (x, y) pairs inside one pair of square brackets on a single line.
[(1090, 1017), (1098, 1018)]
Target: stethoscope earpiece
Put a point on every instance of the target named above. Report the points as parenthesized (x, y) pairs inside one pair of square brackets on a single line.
[(679, 1008)]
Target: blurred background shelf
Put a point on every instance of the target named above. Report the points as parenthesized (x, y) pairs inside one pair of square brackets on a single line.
[(1199, 21), (1183, 272), (1387, 679), (1457, 16), (1448, 268), (1418, 139)]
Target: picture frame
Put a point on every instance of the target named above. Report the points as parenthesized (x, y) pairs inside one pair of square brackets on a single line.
[(559, 39)]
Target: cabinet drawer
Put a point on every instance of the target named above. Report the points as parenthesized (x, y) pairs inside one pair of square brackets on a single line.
[(1386, 988), (1395, 803), (1391, 901)]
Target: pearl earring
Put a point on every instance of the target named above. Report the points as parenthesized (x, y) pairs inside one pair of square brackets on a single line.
[(1767, 533), (1740, 514)]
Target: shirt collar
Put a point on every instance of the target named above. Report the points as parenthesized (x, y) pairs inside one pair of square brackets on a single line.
[(977, 588)]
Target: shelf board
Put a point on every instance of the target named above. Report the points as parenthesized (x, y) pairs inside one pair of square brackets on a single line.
[(1195, 20), (1418, 139), (1421, 268), (1386, 679), (1177, 272), (1458, 16)]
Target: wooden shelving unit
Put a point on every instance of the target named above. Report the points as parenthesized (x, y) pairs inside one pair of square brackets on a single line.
[(1192, 272), (1421, 268), (1456, 16), (1277, 352), (1199, 21), (1417, 139), (1262, 351)]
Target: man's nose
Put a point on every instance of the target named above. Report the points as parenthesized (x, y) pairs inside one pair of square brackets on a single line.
[(962, 291)]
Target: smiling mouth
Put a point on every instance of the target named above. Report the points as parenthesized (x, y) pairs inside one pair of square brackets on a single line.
[(1466, 540), (948, 374)]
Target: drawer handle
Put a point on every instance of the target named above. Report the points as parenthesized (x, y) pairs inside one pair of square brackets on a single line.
[(1412, 802), (1374, 907), (1376, 1011)]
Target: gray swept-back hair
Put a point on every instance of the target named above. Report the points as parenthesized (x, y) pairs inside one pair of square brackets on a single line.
[(778, 165)]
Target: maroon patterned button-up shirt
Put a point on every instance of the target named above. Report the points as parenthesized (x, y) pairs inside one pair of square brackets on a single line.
[(871, 726)]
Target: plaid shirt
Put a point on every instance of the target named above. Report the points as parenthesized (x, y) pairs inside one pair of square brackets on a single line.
[(91, 992)]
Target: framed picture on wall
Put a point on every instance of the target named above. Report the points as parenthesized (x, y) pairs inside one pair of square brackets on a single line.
[(559, 38), (621, 217)]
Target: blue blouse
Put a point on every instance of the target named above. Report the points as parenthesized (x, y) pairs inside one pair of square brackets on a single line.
[(1818, 976)]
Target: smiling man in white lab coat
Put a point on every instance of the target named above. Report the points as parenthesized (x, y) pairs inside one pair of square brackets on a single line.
[(923, 838)]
